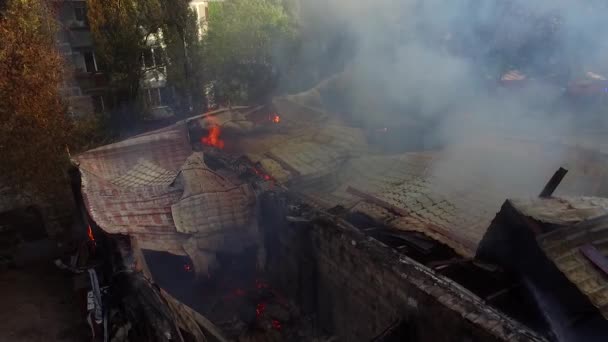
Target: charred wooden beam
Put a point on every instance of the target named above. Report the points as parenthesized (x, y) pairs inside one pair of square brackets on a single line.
[(501, 292), (440, 264), (553, 183), (397, 331)]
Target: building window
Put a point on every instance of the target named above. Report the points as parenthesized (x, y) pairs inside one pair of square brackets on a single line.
[(98, 104), (80, 11), (152, 57), (89, 61), (148, 58), (158, 56), (153, 97), (158, 97), (166, 96), (202, 12)]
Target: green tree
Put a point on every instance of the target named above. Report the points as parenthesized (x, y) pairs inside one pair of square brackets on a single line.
[(242, 45), (183, 47), (122, 30), (34, 130)]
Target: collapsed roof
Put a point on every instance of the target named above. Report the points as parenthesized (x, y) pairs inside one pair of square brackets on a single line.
[(161, 189), (579, 244), (557, 246), (154, 185), (156, 189)]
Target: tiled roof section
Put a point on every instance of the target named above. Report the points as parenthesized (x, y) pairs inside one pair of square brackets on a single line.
[(451, 195), (119, 210), (307, 158), (210, 203), (427, 191), (342, 138), (166, 148), (155, 188), (561, 210), (369, 174), (145, 173), (317, 152), (125, 185), (197, 178), (209, 213), (565, 247), (434, 214), (399, 191)]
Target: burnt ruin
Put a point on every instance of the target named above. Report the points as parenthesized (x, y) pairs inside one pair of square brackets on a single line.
[(287, 222)]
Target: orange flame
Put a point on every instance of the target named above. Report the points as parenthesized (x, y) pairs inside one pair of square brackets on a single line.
[(90, 233), (274, 118), (213, 138)]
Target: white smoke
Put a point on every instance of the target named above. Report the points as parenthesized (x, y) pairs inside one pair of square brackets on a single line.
[(441, 61)]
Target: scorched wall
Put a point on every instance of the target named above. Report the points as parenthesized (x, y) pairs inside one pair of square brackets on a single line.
[(357, 287)]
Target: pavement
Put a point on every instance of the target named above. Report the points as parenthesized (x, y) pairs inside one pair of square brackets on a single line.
[(39, 304)]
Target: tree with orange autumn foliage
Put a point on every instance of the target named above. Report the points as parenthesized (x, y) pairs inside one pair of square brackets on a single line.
[(34, 129)]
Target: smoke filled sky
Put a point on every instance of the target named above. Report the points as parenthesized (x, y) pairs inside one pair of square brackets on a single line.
[(433, 55), (440, 62)]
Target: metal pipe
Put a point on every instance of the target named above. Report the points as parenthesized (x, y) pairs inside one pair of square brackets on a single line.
[(553, 183)]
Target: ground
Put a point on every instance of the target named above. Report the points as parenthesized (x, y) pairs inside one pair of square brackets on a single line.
[(39, 304)]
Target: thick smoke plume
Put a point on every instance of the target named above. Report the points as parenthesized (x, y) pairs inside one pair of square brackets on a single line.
[(439, 63)]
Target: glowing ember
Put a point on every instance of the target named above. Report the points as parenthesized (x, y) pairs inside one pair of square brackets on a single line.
[(259, 309), (262, 175), (187, 267), (213, 138), (275, 118), (239, 292), (276, 324), (90, 233)]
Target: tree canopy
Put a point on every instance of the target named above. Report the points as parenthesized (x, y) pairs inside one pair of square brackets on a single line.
[(121, 31), (242, 47), (183, 49), (34, 130)]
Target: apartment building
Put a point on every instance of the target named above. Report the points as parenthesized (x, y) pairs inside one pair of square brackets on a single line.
[(86, 84)]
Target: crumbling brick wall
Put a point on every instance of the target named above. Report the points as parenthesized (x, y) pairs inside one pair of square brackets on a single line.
[(358, 288)]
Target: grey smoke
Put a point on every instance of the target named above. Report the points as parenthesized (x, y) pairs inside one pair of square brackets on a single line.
[(439, 62)]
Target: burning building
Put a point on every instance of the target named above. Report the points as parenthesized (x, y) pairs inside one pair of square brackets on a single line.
[(556, 247), (290, 222)]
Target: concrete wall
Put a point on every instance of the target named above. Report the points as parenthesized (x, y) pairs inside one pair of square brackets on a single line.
[(359, 287)]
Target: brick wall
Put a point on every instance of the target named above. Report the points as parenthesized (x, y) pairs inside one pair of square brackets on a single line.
[(358, 288)]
